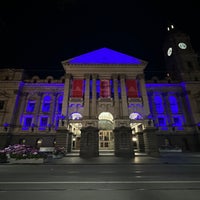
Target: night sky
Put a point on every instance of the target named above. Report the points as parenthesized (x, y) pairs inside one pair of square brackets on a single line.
[(38, 35)]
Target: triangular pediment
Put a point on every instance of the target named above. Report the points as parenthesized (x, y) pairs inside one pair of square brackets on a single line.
[(104, 56)]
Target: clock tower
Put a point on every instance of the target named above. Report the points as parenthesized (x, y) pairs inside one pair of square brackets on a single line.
[(180, 58)]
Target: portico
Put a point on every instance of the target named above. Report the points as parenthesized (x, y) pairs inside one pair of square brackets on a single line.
[(105, 90)]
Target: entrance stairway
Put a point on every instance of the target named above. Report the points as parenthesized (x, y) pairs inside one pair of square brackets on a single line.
[(101, 153), (75, 153)]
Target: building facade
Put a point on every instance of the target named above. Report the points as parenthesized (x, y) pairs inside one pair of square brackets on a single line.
[(103, 102)]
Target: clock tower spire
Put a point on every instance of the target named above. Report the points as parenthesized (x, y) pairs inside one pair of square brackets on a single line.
[(180, 58)]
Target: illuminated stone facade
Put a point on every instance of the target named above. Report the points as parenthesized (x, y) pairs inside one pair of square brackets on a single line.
[(101, 103)]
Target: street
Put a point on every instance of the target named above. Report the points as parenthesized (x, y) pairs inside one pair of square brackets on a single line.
[(111, 181)]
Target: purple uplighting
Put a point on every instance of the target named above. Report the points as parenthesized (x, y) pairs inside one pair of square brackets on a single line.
[(104, 56)]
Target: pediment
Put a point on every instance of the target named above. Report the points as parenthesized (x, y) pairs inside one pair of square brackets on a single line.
[(104, 56)]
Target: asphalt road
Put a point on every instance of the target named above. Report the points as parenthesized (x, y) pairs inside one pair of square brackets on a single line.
[(111, 181)]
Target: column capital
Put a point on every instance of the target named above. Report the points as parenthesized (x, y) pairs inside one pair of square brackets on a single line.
[(115, 76), (25, 94), (164, 94), (40, 94), (140, 76), (122, 76), (94, 76), (55, 94), (87, 76), (67, 76)]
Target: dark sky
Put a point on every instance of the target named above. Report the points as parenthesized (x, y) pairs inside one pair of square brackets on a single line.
[(38, 35)]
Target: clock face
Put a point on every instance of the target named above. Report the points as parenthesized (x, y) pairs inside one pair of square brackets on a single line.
[(169, 51), (182, 45)]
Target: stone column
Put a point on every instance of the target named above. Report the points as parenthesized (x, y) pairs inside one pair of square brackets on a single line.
[(66, 95), (152, 109), (124, 97), (22, 106), (143, 93), (116, 96), (190, 107), (181, 108), (94, 96), (167, 108), (38, 108), (87, 97), (52, 117)]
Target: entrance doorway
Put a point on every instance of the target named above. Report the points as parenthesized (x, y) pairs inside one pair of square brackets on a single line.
[(106, 140), (106, 135), (75, 128)]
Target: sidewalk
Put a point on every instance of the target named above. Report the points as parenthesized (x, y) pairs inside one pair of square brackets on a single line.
[(164, 158)]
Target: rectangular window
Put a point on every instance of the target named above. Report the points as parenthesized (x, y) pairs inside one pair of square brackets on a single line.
[(28, 122), (57, 121), (59, 110), (1, 104), (46, 107), (106, 144), (43, 122), (30, 107), (177, 121), (161, 121)]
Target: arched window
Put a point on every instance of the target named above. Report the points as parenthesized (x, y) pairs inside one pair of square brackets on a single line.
[(46, 104), (135, 116), (105, 121), (76, 116), (173, 104), (158, 104)]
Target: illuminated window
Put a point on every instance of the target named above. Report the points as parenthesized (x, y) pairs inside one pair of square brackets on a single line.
[(173, 104), (161, 121), (158, 104), (43, 122), (106, 116), (46, 104), (30, 106), (135, 116), (177, 121), (76, 116), (28, 122), (59, 108)]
